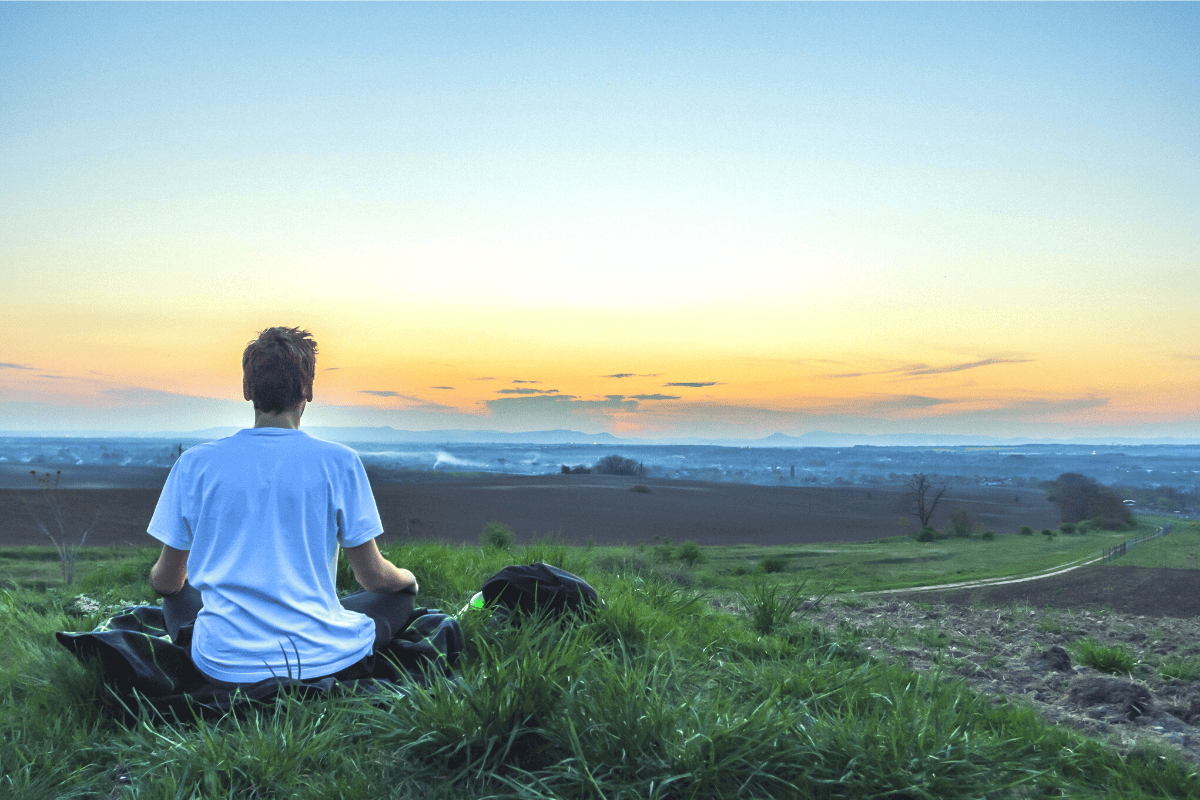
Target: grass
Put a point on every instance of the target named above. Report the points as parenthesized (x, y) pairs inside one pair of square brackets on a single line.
[(1185, 669), (1116, 659), (1178, 549), (900, 562), (770, 606), (657, 695)]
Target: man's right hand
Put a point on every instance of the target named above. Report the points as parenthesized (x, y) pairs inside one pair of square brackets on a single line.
[(169, 573), (375, 573)]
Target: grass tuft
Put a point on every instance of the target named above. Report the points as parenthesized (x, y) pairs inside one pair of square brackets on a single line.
[(770, 605), (1116, 660), (1184, 669)]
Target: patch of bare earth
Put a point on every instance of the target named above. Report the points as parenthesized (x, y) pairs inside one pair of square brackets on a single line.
[(1022, 651)]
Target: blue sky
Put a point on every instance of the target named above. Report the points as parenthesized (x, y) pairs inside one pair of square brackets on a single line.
[(819, 212)]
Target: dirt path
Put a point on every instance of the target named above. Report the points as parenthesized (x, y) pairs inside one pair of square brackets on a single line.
[(1074, 565), (1060, 570)]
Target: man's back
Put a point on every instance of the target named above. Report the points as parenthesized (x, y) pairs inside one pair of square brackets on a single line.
[(263, 513)]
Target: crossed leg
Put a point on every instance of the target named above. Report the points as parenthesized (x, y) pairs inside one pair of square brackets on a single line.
[(391, 611)]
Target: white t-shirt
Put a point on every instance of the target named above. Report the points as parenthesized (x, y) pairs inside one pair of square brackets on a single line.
[(262, 513)]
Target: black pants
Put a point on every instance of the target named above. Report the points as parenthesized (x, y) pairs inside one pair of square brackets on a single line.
[(391, 611)]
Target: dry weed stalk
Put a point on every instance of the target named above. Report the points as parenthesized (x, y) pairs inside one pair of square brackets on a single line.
[(67, 550)]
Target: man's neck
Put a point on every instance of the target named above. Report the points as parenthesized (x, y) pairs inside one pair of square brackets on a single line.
[(288, 418)]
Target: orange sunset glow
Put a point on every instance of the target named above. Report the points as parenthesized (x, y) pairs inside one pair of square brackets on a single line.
[(661, 220)]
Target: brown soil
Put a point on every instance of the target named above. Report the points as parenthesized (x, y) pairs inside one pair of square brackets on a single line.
[(1137, 591), (576, 509), (1016, 642)]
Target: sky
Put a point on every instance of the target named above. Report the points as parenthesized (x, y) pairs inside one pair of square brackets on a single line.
[(654, 220)]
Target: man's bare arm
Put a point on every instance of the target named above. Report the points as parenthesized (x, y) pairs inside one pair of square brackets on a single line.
[(375, 573), (169, 573)]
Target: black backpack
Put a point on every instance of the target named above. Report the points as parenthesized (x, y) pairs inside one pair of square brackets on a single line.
[(533, 588)]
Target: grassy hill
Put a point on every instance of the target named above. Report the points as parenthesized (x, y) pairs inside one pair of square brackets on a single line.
[(659, 694)]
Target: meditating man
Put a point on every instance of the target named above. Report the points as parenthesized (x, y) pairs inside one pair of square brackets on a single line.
[(251, 526)]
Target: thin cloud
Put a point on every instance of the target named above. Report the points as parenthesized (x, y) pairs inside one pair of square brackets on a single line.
[(1036, 408), (520, 381), (527, 391), (13, 366), (483, 379), (434, 407), (987, 362), (1181, 356), (633, 375), (53, 377), (919, 370), (332, 369), (824, 362), (908, 401), (556, 405), (441, 387), (695, 385), (412, 403), (655, 397)]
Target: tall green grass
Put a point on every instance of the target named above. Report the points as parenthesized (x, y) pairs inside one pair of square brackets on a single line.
[(660, 694), (1179, 549)]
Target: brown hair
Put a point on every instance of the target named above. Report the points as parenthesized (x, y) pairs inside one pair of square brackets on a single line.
[(279, 366)]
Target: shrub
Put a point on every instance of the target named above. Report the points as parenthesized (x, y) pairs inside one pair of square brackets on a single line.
[(691, 554), (616, 465), (1026, 530), (497, 535), (960, 524), (771, 564), (926, 535), (989, 536), (1049, 534), (640, 488), (663, 552), (1067, 527)]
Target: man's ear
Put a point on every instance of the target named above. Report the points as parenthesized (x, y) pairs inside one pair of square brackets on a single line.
[(246, 393)]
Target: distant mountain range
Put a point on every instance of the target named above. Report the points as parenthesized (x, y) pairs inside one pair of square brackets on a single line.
[(388, 435)]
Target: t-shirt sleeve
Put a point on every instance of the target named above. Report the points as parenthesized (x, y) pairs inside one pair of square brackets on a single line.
[(359, 516), (168, 524)]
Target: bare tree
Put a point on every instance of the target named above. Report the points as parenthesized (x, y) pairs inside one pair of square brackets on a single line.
[(926, 493)]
